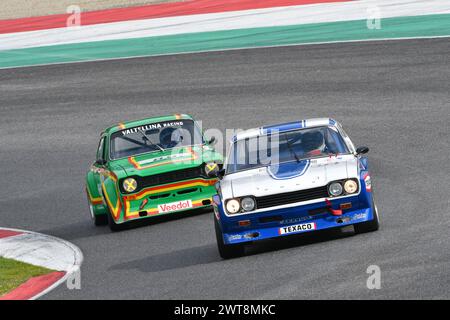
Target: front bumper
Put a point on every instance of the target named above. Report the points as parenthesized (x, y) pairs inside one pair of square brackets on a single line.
[(182, 197), (310, 225), (293, 220)]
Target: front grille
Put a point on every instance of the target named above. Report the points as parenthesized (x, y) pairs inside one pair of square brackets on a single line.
[(270, 219), (165, 178), (291, 197), (172, 176), (185, 191)]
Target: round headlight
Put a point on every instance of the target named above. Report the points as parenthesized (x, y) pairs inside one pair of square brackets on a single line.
[(129, 185), (248, 204), (233, 206), (335, 189), (350, 186), (211, 169)]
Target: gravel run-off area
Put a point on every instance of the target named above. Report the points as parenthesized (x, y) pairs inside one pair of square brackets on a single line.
[(12, 9)]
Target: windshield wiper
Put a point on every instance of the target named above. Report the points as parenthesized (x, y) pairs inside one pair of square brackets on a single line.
[(151, 142), (291, 149)]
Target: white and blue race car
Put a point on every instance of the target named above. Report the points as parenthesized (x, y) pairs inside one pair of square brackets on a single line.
[(288, 179)]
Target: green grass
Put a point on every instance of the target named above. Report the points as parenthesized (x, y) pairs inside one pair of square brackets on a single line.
[(14, 273)]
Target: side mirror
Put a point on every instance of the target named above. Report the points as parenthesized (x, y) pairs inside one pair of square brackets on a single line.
[(362, 150), (100, 162), (221, 173), (212, 141)]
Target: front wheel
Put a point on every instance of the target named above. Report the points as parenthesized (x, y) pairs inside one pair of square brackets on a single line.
[(227, 251), (369, 226), (113, 225)]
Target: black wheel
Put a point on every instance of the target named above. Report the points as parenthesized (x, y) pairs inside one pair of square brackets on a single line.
[(100, 220), (110, 220), (113, 225), (369, 226), (227, 251)]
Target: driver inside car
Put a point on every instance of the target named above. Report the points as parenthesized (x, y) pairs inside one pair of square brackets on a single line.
[(314, 143), (170, 137)]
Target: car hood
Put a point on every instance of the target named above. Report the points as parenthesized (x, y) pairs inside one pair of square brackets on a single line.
[(291, 176), (169, 160)]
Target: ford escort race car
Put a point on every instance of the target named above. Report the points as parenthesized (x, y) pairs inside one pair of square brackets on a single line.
[(289, 179), (150, 167)]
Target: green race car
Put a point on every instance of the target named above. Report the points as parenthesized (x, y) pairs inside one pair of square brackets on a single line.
[(151, 167)]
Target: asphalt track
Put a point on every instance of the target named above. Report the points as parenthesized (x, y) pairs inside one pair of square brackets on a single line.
[(392, 96)]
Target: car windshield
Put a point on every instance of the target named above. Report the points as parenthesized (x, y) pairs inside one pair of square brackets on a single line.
[(154, 137), (280, 147)]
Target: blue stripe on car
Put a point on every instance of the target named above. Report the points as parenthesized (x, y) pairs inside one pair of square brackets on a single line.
[(283, 127), (288, 170)]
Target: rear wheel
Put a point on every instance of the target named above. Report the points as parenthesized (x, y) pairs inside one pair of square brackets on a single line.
[(99, 220), (227, 251), (369, 226)]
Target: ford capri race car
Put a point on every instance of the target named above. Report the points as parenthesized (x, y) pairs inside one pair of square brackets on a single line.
[(149, 168), (289, 179)]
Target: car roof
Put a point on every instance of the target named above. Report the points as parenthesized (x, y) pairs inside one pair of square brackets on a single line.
[(284, 127), (134, 123)]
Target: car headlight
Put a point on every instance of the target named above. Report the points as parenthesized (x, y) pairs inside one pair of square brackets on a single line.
[(129, 185), (248, 204), (335, 189), (211, 169), (350, 186), (233, 206)]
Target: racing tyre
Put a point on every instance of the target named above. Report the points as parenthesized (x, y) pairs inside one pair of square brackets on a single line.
[(100, 220), (227, 251), (111, 223), (369, 226)]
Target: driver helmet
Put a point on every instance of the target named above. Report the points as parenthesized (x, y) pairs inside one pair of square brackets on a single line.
[(313, 141), (165, 138)]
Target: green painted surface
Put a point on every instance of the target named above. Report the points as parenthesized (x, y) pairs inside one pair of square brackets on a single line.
[(403, 27)]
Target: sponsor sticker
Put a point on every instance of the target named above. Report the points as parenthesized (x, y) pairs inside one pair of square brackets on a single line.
[(234, 237), (294, 220), (359, 216), (152, 126), (175, 206), (162, 158), (297, 228)]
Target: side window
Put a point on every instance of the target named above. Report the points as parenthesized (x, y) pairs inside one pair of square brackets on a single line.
[(101, 149)]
